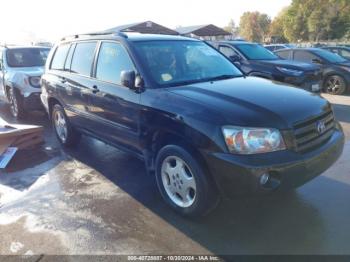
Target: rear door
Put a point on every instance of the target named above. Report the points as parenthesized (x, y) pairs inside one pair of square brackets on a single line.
[(113, 106)]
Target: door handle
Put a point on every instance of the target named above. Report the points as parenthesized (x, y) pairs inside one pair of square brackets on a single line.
[(95, 89), (63, 80)]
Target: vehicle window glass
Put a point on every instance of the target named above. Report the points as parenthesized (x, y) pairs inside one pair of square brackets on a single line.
[(284, 54), (59, 57), (27, 57), (304, 56), (345, 53), (256, 52), (112, 60), (174, 63), (83, 58), (329, 56), (69, 57), (227, 51)]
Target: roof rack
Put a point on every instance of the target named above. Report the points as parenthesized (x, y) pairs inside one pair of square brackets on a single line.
[(118, 33)]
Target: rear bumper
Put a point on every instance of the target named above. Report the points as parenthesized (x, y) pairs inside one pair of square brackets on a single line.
[(240, 174)]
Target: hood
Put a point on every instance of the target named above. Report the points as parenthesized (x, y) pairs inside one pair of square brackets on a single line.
[(30, 71), (255, 102), (289, 64)]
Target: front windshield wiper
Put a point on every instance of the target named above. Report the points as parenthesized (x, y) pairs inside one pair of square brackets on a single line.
[(188, 82), (221, 77)]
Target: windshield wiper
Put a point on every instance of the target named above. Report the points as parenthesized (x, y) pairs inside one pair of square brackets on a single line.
[(222, 77)]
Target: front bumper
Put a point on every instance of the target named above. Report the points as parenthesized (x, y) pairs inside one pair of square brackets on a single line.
[(311, 82), (240, 174)]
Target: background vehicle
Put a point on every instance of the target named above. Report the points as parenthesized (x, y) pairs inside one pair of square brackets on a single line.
[(20, 72), (343, 51), (275, 47), (255, 60), (188, 112), (336, 70)]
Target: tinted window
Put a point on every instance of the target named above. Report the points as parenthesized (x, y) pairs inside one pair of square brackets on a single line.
[(83, 58), (59, 57), (256, 52), (27, 57), (227, 51), (173, 63), (304, 56), (69, 57), (329, 56), (284, 54), (112, 60)]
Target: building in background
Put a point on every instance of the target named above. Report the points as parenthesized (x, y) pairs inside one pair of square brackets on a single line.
[(204, 32), (147, 27)]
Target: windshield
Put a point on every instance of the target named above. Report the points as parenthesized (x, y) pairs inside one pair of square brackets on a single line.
[(329, 56), (255, 52), (27, 57), (172, 63)]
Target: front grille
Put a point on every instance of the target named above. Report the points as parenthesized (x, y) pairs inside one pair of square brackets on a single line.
[(308, 137)]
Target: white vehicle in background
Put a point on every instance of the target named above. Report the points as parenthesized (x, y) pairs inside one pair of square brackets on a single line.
[(275, 47), (20, 74)]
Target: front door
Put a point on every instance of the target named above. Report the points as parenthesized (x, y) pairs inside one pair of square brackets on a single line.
[(113, 106)]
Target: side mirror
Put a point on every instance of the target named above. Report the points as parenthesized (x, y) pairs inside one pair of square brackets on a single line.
[(127, 79), (235, 58), (317, 61)]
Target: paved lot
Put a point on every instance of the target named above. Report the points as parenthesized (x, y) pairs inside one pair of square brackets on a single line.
[(98, 200)]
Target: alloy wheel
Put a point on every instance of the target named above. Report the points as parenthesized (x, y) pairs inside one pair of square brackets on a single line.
[(60, 126)]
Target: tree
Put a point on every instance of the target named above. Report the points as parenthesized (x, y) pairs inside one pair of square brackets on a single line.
[(276, 30), (254, 26)]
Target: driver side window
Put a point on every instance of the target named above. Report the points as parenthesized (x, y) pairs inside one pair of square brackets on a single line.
[(227, 51)]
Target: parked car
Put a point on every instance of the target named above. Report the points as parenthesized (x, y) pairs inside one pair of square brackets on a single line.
[(202, 127), (255, 60), (20, 72), (336, 70), (275, 47), (343, 51)]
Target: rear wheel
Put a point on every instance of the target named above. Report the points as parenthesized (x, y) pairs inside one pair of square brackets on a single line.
[(16, 104), (335, 85), (184, 183), (65, 133)]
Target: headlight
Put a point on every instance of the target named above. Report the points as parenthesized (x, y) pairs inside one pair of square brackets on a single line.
[(291, 72), (34, 81), (242, 140)]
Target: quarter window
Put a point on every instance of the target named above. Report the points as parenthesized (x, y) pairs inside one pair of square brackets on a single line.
[(60, 57), (112, 60), (83, 58)]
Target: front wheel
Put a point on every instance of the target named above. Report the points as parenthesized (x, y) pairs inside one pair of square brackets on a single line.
[(16, 104), (183, 183), (335, 85), (65, 133)]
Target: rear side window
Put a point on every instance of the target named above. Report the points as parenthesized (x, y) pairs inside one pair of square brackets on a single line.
[(83, 58), (60, 57), (112, 60), (284, 54)]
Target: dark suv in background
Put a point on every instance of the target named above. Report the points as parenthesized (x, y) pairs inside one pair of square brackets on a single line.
[(336, 69), (255, 60), (200, 125)]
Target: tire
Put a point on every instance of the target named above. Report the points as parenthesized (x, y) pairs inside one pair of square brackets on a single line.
[(183, 183), (16, 104), (335, 85), (64, 131)]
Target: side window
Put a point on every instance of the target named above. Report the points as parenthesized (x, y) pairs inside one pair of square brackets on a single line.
[(112, 60), (284, 54), (59, 57), (83, 58), (227, 51), (304, 56), (1, 61), (345, 53), (69, 58)]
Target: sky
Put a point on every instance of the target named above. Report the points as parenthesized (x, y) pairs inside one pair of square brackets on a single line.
[(29, 20)]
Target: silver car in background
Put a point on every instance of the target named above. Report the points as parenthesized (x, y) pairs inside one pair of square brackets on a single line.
[(20, 74)]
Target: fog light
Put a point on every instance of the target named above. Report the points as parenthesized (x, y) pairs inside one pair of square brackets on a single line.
[(264, 179)]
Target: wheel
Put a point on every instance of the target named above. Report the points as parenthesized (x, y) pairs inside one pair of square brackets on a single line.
[(65, 133), (335, 85), (184, 183), (16, 104)]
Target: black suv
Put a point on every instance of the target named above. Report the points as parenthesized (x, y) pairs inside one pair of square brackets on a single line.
[(201, 127), (255, 60), (336, 69)]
